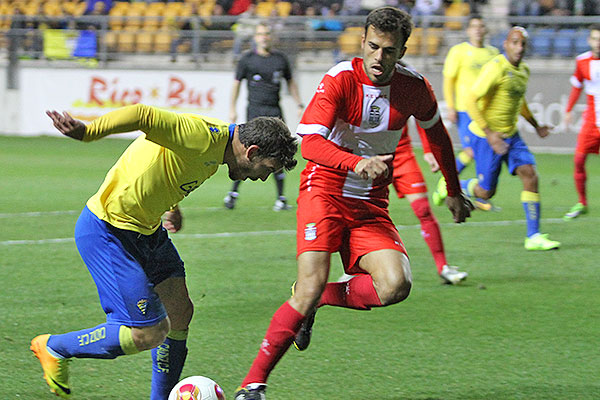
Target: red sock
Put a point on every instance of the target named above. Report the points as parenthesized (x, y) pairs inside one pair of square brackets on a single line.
[(580, 177), (284, 325), (358, 293), (430, 230)]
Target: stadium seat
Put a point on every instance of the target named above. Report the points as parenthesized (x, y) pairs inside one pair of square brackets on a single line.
[(581, 41), (264, 8), (541, 42), (144, 42), (283, 8), (413, 44), (433, 40), (162, 41), (126, 41), (456, 9), (563, 43), (349, 40)]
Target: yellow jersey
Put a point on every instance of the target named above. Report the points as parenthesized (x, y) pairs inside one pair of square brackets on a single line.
[(497, 97), (462, 64), (176, 155)]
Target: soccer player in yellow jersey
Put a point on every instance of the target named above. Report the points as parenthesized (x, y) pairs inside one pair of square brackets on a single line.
[(461, 68), (138, 273), (494, 103)]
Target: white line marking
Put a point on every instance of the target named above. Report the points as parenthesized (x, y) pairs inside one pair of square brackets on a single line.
[(293, 232)]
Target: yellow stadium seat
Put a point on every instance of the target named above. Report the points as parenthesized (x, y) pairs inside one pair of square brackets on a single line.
[(126, 41), (162, 41), (144, 42), (283, 8), (457, 9), (413, 44), (264, 8), (350, 40), (433, 41)]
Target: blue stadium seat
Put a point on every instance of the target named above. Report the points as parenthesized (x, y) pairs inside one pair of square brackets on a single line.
[(497, 39), (564, 43), (581, 41), (541, 42)]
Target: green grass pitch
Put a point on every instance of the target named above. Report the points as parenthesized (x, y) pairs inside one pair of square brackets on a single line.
[(524, 325)]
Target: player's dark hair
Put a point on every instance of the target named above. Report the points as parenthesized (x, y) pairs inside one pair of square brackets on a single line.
[(390, 19), (474, 16), (273, 139)]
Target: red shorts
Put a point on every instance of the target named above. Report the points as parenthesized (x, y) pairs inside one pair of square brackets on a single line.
[(353, 227), (408, 178), (588, 141)]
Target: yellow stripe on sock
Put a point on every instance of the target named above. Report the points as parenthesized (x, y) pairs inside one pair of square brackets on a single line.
[(178, 335), (465, 158), (530, 197), (471, 187), (126, 340)]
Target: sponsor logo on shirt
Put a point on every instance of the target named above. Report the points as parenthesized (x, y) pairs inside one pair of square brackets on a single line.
[(189, 187)]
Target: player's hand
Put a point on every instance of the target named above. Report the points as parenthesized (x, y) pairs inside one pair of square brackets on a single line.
[(173, 220), (452, 115), (497, 143), (568, 120), (460, 206), (374, 167), (433, 164), (67, 125), (543, 131)]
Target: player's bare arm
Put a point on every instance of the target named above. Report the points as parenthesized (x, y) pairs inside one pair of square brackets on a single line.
[(67, 125), (374, 167), (431, 161), (173, 220), (496, 141)]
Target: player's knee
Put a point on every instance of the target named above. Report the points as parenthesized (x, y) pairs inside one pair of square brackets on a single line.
[(394, 289), (147, 338)]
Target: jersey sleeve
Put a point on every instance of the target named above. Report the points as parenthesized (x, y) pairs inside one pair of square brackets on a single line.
[(576, 87), (287, 70), (427, 112), (240, 69), (321, 113), (165, 128), (487, 79)]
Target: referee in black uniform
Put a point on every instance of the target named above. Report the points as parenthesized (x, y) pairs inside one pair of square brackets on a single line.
[(263, 68)]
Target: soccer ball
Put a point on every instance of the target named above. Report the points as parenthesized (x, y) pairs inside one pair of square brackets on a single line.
[(197, 388)]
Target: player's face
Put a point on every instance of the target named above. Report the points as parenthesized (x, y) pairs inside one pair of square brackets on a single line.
[(253, 169), (515, 45), (262, 37), (476, 31), (381, 50), (594, 42)]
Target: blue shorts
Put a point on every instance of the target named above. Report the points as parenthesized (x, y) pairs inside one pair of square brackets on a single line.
[(125, 266), (488, 164), (462, 124)]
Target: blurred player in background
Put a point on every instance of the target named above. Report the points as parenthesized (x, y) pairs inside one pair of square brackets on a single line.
[(494, 103), (350, 131), (263, 68), (138, 273), (462, 65), (586, 77)]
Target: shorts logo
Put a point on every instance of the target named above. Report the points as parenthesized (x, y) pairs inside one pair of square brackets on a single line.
[(142, 305), (310, 232), (374, 116)]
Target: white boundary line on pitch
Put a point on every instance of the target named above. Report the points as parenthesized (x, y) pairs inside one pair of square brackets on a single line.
[(292, 232)]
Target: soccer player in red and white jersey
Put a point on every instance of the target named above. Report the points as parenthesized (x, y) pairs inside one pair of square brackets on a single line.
[(586, 77), (350, 130), (409, 183)]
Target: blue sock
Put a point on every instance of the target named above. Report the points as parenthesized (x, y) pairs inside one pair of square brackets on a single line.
[(467, 185), (531, 205), (167, 363), (103, 341)]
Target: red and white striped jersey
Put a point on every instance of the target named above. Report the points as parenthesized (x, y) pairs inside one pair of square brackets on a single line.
[(364, 119), (587, 77)]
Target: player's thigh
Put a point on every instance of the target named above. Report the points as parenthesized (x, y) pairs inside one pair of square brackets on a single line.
[(488, 164), (126, 294), (462, 126), (588, 141), (320, 223), (408, 178), (371, 231), (388, 267)]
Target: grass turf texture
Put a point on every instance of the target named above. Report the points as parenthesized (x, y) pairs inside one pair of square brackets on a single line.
[(523, 326)]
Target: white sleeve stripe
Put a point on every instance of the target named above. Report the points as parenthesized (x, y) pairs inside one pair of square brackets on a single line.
[(575, 82), (311, 129), (431, 122)]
